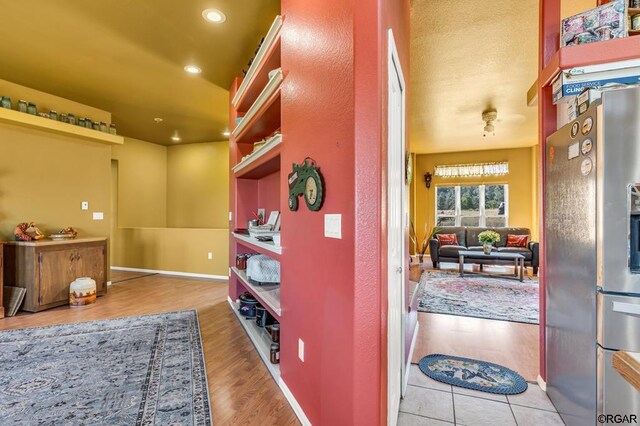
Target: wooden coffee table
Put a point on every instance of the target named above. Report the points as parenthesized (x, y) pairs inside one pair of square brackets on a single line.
[(471, 256)]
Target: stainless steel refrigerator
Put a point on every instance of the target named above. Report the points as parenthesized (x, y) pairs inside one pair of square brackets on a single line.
[(592, 224)]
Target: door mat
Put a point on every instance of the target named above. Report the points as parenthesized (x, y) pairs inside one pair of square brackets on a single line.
[(473, 374)]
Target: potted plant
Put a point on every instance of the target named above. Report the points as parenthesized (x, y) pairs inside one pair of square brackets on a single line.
[(420, 251), (488, 239)]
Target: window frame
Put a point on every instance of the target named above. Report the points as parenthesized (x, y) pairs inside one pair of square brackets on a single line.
[(482, 222)]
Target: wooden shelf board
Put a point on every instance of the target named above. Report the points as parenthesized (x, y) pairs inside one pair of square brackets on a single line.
[(263, 118), (262, 163), (628, 365), (616, 50), (266, 60), (261, 78), (633, 11), (47, 125), (267, 248), (260, 340), (267, 295)]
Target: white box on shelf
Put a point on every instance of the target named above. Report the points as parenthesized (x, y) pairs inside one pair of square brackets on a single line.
[(601, 77)]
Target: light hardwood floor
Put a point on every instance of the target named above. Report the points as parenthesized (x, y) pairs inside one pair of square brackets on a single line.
[(514, 345), (240, 388)]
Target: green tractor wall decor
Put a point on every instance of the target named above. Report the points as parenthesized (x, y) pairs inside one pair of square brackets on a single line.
[(305, 180)]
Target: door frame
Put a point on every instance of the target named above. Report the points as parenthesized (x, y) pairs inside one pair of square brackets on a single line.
[(395, 298)]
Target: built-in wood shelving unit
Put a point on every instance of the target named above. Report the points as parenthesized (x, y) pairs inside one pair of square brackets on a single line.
[(261, 163), (267, 295), (263, 118), (47, 125), (268, 248), (255, 180), (259, 338), (266, 60)]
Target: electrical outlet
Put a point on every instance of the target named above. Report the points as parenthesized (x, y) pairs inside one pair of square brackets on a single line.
[(98, 216), (84, 205), (301, 350), (209, 255)]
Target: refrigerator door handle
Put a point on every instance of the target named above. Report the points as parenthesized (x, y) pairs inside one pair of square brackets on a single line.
[(626, 308)]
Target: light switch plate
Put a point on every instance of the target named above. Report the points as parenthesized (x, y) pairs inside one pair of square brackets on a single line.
[(98, 216), (333, 226), (230, 216), (209, 255), (84, 205)]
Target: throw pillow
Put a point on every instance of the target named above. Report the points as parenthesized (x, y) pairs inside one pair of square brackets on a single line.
[(447, 239), (517, 240)]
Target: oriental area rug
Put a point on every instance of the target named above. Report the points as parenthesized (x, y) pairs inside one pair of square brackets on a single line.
[(146, 370), (477, 296)]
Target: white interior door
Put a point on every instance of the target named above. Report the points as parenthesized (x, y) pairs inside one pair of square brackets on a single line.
[(396, 232)]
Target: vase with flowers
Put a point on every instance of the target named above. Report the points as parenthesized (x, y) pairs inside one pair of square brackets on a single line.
[(488, 239)]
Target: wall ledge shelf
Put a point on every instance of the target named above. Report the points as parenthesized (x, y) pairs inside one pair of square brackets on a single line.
[(261, 163), (267, 295), (603, 52), (47, 125), (267, 59), (263, 118), (268, 248), (260, 340)]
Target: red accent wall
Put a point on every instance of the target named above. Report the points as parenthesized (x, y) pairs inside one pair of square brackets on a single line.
[(334, 110)]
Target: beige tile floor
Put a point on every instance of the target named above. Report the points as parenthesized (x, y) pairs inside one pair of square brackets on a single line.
[(429, 402)]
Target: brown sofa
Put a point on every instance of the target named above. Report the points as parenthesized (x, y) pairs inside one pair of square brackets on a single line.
[(468, 240)]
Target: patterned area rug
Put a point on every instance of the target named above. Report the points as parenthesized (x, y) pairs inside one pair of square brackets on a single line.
[(472, 374), (478, 296), (129, 371)]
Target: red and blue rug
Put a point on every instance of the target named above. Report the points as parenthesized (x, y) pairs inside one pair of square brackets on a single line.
[(478, 296)]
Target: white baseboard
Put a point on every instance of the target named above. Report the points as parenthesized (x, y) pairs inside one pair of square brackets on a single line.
[(411, 348), (542, 383), (294, 403), (179, 274)]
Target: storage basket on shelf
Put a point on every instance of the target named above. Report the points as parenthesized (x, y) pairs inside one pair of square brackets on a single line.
[(262, 269)]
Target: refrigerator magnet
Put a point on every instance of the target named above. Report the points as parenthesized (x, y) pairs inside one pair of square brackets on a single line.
[(574, 151), (587, 145), (575, 128), (587, 125), (586, 166)]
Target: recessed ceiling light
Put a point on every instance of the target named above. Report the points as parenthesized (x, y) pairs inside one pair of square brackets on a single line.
[(214, 15), (227, 133), (158, 120), (192, 69), (176, 138)]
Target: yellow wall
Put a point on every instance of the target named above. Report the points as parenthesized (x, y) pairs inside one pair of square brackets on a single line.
[(142, 184), (198, 185), (520, 180), (172, 207), (173, 249), (45, 177)]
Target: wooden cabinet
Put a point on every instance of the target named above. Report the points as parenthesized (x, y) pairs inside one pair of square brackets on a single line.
[(47, 268)]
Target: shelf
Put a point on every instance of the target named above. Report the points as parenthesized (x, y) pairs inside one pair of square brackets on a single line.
[(259, 338), (602, 52), (267, 295), (261, 163), (263, 118), (266, 60), (47, 125), (267, 248)]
